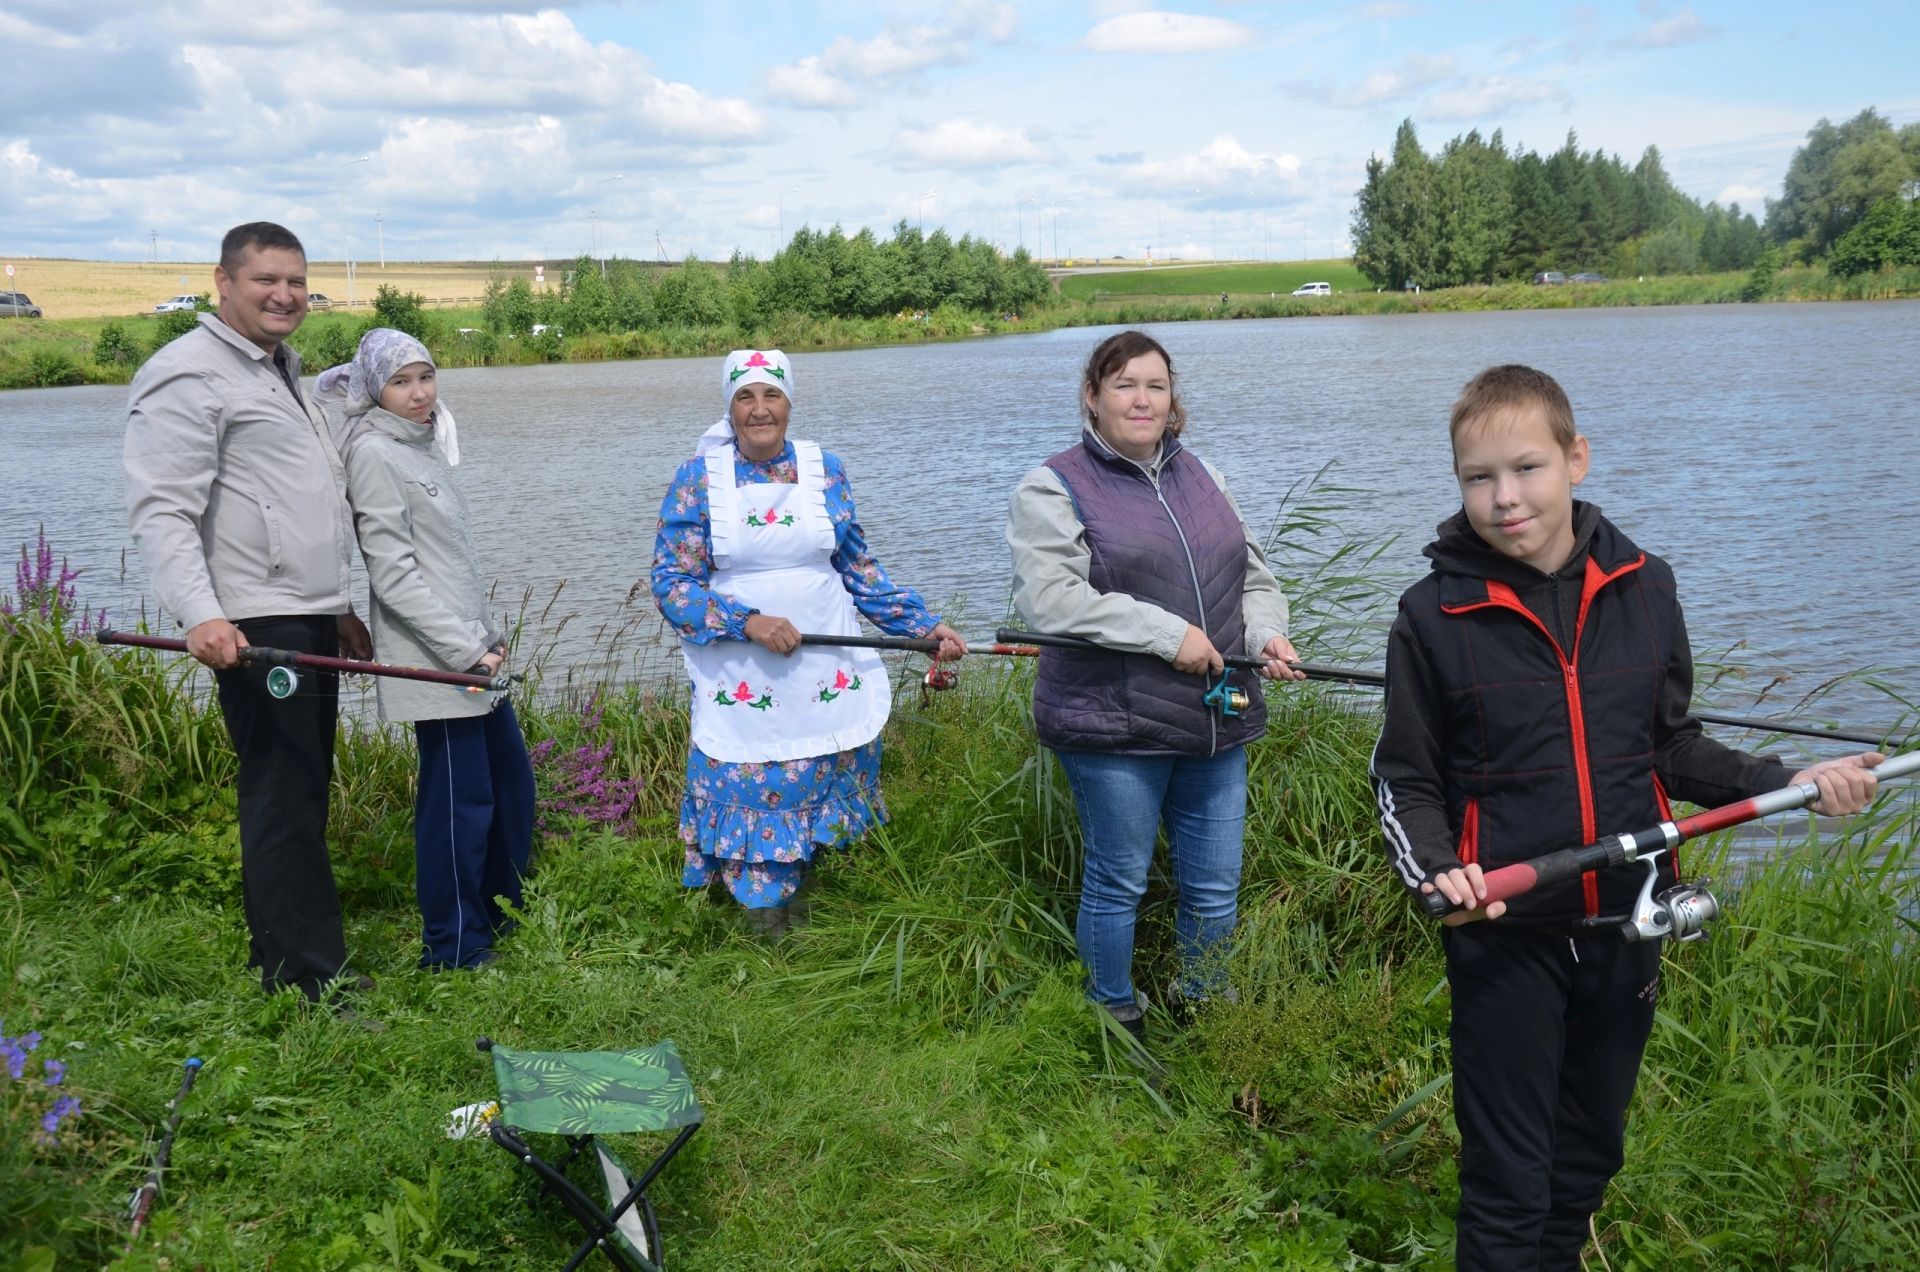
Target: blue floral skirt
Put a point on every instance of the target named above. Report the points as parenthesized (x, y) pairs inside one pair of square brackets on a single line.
[(755, 826)]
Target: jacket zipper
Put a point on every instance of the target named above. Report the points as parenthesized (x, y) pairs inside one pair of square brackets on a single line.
[(1193, 573), (1501, 596)]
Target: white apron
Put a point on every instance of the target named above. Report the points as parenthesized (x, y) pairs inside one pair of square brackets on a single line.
[(772, 549)]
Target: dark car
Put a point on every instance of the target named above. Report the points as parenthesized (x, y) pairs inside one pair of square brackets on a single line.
[(1589, 278), (1549, 278), (17, 305)]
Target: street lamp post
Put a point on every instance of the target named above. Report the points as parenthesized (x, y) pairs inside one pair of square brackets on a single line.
[(349, 226), (593, 219), (380, 228)]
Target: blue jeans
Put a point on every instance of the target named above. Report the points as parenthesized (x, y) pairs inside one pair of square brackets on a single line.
[(1123, 800), (472, 832)]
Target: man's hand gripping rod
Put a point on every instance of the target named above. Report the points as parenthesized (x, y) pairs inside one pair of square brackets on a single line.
[(1681, 911)]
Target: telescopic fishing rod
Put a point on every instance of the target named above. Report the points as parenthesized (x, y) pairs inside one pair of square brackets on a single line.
[(142, 1204), (284, 665), (1013, 643), (1681, 911)]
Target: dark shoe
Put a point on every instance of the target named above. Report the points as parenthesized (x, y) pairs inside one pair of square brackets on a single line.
[(768, 923), (365, 1024), (1182, 1010), (1131, 1019)]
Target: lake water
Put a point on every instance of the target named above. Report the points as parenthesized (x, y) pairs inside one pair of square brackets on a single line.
[(1767, 451)]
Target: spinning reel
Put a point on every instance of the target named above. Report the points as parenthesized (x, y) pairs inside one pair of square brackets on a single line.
[(1227, 699), (1680, 913)]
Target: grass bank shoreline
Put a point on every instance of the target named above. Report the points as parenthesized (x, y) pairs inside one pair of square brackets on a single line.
[(59, 352), (915, 1080)]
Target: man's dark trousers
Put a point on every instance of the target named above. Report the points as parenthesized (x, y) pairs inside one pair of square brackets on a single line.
[(285, 747), (1547, 1037)]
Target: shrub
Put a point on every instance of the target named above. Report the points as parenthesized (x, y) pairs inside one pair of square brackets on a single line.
[(169, 327), (50, 368), (115, 348), (403, 311)]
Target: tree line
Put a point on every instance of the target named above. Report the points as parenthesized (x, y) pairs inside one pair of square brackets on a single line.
[(823, 274), (1479, 212)]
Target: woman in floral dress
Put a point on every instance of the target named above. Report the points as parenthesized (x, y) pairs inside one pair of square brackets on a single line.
[(758, 542)]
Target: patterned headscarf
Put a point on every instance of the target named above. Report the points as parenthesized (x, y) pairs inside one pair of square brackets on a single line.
[(354, 387), (745, 366)]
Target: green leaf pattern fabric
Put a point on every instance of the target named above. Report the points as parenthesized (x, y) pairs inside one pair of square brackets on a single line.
[(595, 1092)]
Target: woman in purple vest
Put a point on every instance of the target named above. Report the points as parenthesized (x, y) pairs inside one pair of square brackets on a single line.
[(1130, 541)]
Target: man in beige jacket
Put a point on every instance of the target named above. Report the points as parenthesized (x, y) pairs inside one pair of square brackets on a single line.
[(236, 497)]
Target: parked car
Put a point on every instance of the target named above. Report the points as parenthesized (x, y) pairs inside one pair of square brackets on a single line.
[(1549, 278), (1314, 289), (17, 305), (1589, 278), (177, 305), (318, 300)]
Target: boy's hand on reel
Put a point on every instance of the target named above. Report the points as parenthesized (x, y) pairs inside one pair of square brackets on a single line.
[(1465, 886)]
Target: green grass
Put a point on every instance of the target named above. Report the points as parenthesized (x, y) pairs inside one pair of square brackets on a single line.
[(915, 1080), (1210, 280)]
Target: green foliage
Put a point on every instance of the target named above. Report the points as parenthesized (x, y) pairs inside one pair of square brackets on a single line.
[(550, 345), (403, 311), (50, 368), (691, 296), (508, 306), (1840, 173), (327, 342), (589, 304), (1760, 278), (169, 327), (115, 347), (1479, 213), (1889, 235)]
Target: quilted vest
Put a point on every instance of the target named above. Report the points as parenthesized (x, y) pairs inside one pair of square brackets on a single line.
[(1177, 543)]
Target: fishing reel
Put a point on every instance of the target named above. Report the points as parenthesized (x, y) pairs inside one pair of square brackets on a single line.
[(282, 682), (938, 679), (1227, 699), (1679, 913)]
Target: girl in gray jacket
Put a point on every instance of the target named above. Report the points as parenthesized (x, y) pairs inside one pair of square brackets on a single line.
[(473, 816)]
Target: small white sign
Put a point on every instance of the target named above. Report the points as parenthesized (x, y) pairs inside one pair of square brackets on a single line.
[(9, 271), (539, 272)]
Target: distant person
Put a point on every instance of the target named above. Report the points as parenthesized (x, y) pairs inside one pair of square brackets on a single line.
[(759, 542), (1539, 690), (474, 801), (236, 497), (1130, 540)]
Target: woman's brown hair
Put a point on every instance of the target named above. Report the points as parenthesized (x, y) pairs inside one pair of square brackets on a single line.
[(1112, 354)]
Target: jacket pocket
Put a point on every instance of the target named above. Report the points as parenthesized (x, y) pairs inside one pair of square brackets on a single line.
[(275, 559)]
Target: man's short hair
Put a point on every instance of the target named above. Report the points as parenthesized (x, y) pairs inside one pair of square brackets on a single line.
[(1512, 387), (244, 238)]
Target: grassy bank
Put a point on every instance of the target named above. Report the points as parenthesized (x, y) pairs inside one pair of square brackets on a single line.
[(50, 353), (912, 1081)]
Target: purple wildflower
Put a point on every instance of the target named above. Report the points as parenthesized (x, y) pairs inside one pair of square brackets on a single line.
[(63, 1108), (56, 1072), (15, 1050), (578, 783)]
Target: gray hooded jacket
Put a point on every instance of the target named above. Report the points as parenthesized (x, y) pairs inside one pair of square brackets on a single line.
[(429, 599)]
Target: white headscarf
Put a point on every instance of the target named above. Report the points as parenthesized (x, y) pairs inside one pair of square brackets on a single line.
[(744, 366), (354, 387)]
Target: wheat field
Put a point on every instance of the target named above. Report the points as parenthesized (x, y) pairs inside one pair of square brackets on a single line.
[(111, 289)]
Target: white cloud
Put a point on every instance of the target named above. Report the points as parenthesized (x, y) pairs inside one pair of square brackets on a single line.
[(1684, 27), (1416, 71), (809, 85), (1749, 195), (1224, 173), (1161, 32), (826, 80), (1488, 96), (959, 143)]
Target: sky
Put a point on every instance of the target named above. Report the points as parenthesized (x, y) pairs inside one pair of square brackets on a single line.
[(455, 129)]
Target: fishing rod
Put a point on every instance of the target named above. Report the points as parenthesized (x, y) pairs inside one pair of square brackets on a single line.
[(1683, 910), (142, 1204), (1013, 643), (284, 665)]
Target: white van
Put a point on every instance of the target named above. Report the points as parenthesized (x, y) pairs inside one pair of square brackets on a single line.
[(1314, 289)]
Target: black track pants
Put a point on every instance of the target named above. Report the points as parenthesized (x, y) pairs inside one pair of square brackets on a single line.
[(1547, 1038), (285, 747)]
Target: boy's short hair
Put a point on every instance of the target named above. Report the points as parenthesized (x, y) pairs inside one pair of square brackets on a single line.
[(1506, 388)]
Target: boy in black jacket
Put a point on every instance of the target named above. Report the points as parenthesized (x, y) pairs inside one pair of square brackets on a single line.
[(1539, 685)]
